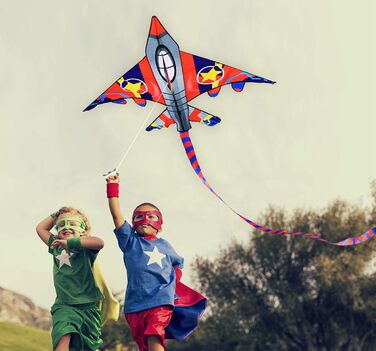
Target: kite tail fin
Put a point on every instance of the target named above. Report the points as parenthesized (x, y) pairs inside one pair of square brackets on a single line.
[(196, 115), (191, 154), (162, 121)]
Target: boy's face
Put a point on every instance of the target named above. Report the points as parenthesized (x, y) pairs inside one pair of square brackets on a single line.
[(69, 225), (145, 228)]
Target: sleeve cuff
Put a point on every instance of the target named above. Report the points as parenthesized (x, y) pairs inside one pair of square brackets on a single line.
[(74, 243)]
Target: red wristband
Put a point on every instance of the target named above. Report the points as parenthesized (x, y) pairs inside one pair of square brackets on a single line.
[(112, 190)]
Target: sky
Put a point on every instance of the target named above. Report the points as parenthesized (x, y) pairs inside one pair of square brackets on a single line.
[(302, 142)]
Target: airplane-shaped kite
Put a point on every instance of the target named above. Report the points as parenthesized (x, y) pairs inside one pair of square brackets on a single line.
[(173, 78)]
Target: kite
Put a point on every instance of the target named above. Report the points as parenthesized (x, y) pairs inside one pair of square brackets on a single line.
[(173, 78)]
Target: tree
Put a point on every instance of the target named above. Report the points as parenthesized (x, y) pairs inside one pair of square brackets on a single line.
[(292, 293)]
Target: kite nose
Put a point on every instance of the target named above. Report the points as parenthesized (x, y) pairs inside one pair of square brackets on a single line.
[(156, 28)]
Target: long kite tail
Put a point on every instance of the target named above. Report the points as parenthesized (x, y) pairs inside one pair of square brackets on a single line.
[(191, 154)]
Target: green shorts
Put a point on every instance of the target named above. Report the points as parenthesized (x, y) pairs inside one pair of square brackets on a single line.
[(83, 322)]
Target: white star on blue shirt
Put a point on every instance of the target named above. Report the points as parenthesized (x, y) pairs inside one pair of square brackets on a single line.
[(155, 257)]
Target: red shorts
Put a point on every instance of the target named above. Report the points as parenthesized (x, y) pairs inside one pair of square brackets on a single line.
[(149, 322)]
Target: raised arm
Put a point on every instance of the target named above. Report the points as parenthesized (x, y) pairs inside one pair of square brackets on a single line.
[(113, 200), (44, 227)]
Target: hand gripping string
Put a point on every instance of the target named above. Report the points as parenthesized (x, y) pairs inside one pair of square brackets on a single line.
[(191, 154)]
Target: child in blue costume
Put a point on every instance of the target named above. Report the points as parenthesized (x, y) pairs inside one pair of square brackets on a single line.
[(157, 305)]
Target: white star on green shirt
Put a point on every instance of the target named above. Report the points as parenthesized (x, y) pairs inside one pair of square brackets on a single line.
[(63, 258)]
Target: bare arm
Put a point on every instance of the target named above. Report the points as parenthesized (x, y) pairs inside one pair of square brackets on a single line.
[(116, 214), (44, 227), (114, 205), (92, 243), (87, 242)]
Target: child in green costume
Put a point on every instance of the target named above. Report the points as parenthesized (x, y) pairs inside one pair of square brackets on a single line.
[(75, 315)]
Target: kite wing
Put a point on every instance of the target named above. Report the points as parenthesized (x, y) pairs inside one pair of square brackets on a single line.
[(202, 75), (138, 84)]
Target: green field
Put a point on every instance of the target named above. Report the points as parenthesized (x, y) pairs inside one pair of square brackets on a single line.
[(16, 337)]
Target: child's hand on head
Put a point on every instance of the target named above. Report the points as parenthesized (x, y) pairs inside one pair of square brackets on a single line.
[(113, 179), (60, 243)]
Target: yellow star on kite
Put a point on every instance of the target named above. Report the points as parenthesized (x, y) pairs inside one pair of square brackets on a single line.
[(134, 88), (211, 75)]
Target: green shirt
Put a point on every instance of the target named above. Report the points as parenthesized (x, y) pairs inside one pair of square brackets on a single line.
[(73, 275)]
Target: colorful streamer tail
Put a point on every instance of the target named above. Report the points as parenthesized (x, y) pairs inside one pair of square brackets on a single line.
[(191, 154)]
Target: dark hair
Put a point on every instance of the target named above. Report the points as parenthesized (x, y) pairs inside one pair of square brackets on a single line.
[(148, 204)]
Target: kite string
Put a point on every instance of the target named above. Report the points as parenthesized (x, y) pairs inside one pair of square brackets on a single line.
[(138, 133)]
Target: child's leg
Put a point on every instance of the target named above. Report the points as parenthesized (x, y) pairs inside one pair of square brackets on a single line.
[(148, 327), (63, 344), (155, 343), (75, 327), (156, 322)]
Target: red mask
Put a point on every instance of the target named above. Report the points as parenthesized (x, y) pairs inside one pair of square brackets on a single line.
[(153, 218)]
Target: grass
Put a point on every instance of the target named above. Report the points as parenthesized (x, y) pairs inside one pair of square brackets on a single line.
[(16, 337)]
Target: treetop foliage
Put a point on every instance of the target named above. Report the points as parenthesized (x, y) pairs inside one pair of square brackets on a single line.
[(292, 293)]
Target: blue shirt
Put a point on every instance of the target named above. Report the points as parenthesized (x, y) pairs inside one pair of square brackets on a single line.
[(150, 270)]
